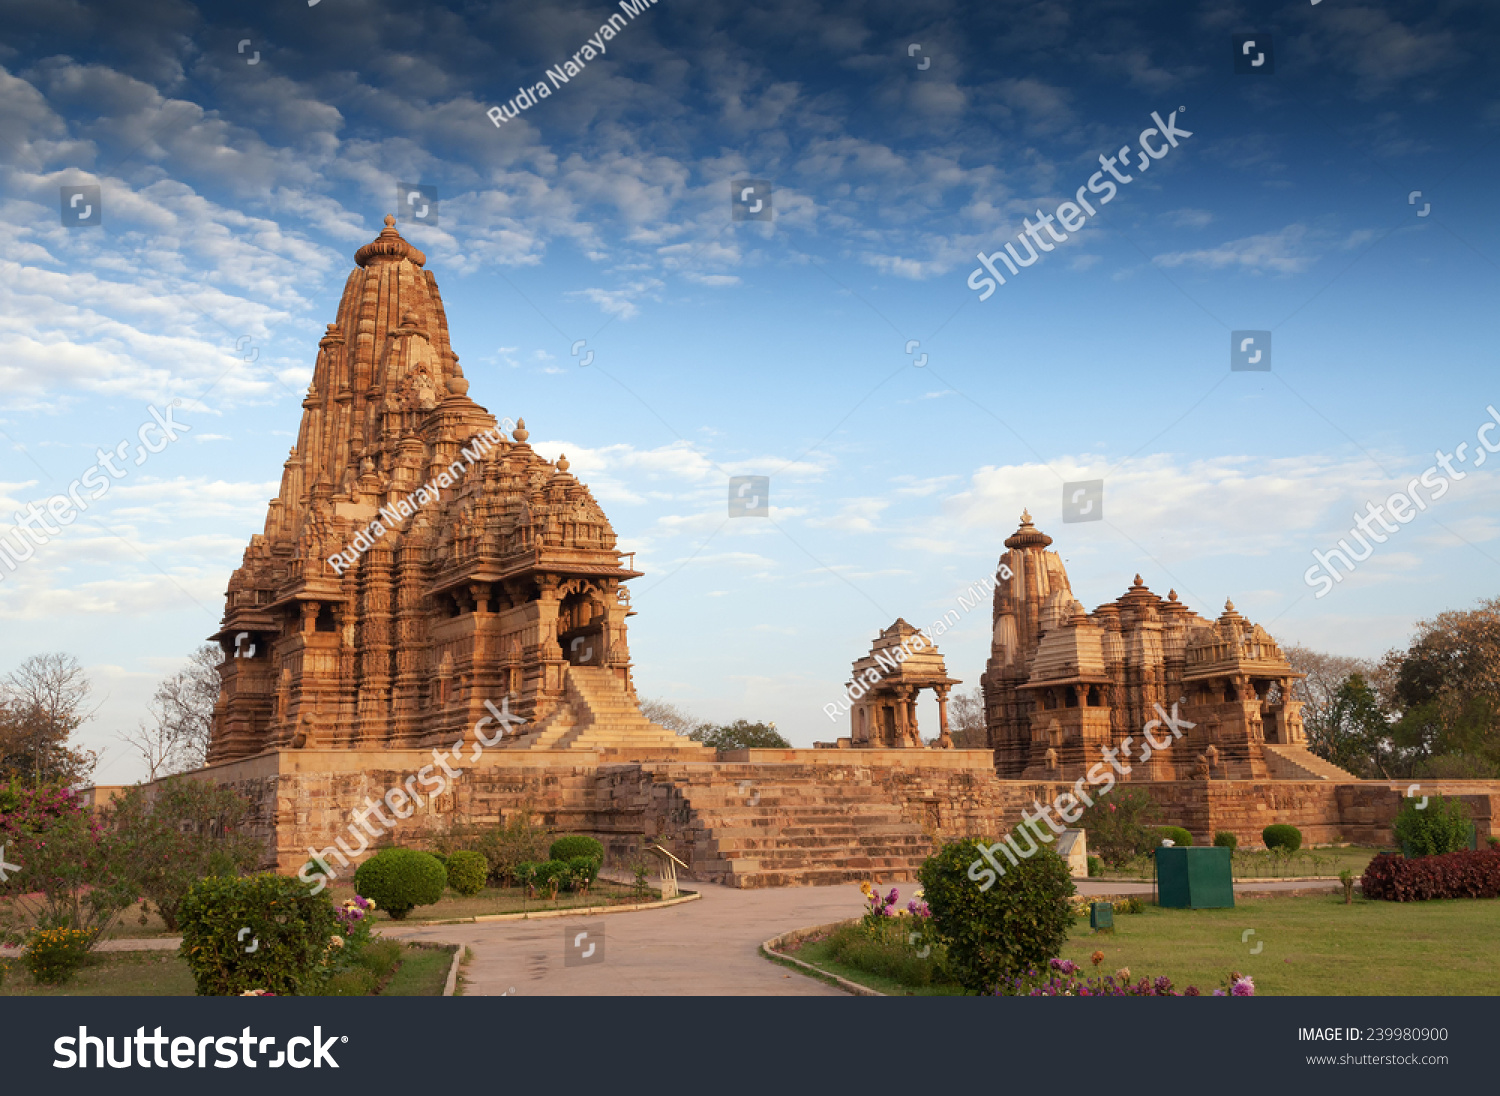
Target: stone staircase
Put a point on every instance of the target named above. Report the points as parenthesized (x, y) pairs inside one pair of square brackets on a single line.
[(746, 825), (598, 714), (1300, 763)]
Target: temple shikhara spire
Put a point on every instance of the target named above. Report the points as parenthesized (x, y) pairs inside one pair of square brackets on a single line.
[(421, 561), (1062, 684)]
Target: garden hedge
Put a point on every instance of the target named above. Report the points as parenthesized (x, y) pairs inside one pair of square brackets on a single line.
[(1465, 874)]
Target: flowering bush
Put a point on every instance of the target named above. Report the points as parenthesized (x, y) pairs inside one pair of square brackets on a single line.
[(877, 907), (69, 875), (1065, 978), (1466, 874), (52, 955)]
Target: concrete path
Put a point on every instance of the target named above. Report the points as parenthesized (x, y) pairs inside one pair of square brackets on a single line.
[(710, 947), (705, 948)]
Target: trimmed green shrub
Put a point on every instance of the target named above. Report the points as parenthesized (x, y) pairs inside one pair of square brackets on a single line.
[(1175, 834), (1494, 842), (467, 872), (1282, 836), (258, 932), (524, 873), (582, 871), (1096, 866), (1442, 826), (1019, 921), (550, 871), (399, 880), (1226, 840), (573, 845)]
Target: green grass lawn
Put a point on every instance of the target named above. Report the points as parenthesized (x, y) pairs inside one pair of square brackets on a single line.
[(1310, 946), (422, 973), (1313, 946), (819, 954), (1260, 864)]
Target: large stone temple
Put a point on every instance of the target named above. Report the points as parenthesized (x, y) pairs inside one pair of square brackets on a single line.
[(419, 562)]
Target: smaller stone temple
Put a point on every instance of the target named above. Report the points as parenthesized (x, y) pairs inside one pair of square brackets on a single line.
[(885, 683), (1062, 684)]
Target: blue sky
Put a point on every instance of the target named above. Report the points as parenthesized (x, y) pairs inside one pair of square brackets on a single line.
[(234, 195)]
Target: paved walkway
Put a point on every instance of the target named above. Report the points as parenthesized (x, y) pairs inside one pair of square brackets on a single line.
[(709, 947)]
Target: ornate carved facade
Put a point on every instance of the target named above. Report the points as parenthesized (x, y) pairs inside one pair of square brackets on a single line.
[(1061, 684), (419, 561)]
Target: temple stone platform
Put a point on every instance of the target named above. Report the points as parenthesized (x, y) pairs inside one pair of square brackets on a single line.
[(756, 818)]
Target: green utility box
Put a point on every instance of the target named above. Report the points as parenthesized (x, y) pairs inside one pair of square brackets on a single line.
[(1189, 878), (1102, 916)]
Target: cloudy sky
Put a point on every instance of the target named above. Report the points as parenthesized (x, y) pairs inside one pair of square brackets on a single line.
[(1342, 202)]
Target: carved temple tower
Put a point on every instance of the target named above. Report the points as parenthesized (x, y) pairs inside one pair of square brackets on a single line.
[(420, 561), (1061, 684)]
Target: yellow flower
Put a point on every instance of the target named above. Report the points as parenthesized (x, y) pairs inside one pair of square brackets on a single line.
[(336, 942), (865, 888)]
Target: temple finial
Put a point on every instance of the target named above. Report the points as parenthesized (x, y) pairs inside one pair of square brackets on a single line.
[(1025, 517)]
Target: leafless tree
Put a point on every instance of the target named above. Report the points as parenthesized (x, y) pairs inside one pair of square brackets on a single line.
[(966, 719), (669, 716), (1326, 674), (174, 738), (41, 705)]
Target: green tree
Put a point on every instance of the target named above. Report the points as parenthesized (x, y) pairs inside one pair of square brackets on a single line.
[(1122, 825), (741, 735), (1354, 732), (1445, 688), (178, 833)]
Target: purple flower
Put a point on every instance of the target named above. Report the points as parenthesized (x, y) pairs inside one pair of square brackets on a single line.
[(1243, 987)]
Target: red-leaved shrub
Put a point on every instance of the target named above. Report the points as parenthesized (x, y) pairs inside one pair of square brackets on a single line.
[(1466, 874)]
